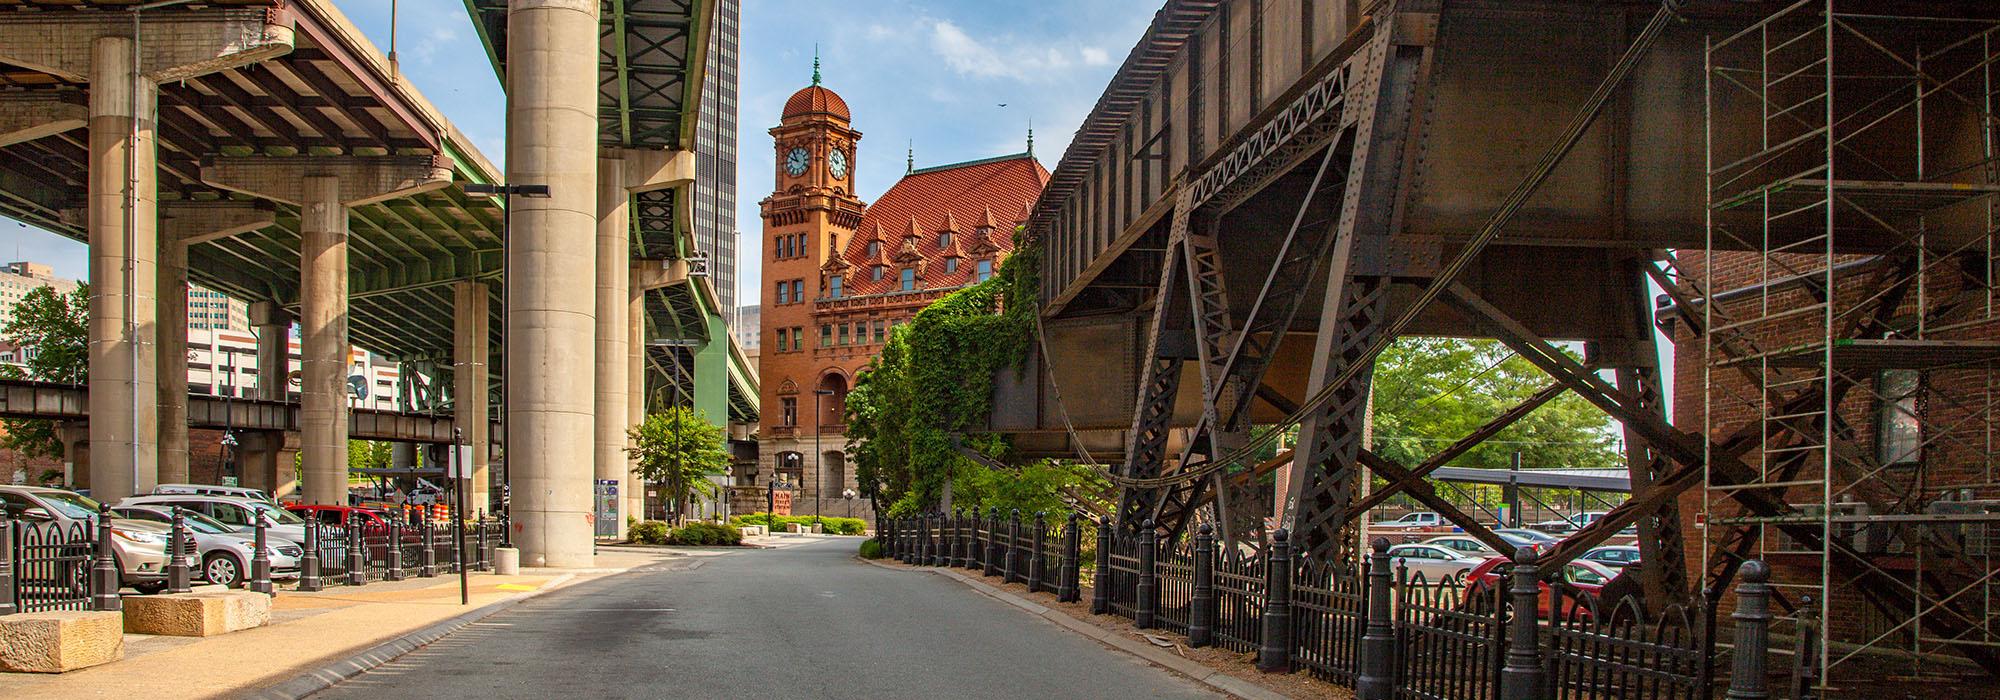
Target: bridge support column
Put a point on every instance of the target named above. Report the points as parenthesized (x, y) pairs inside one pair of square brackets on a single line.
[(181, 225), (124, 426), (266, 456), (551, 320), (469, 353), (635, 387), (614, 308)]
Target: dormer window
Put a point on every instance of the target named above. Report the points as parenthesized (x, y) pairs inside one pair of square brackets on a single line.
[(985, 270), (951, 265), (874, 249), (875, 273), (909, 279), (834, 286), (944, 239)]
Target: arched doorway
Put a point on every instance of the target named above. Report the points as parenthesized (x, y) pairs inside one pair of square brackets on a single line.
[(831, 399)]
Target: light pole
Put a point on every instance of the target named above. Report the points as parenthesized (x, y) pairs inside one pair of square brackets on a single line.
[(848, 495), (506, 193), (819, 471)]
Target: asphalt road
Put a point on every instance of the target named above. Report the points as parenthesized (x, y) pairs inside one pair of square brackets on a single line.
[(805, 621)]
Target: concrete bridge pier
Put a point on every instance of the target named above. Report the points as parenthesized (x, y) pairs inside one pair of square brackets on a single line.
[(635, 385), (470, 342), (266, 457), (183, 224), (552, 79), (324, 188)]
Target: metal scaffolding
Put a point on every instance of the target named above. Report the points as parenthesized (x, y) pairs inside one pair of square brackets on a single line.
[(1848, 371)]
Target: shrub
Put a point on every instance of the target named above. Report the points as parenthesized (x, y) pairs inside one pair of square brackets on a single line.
[(650, 532), (707, 534), (828, 524), (871, 548)]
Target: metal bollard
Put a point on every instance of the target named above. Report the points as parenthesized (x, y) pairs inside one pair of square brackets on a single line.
[(260, 560), (357, 556), (1038, 560), (480, 542), (104, 574), (427, 558), (1747, 679), (8, 604), (1377, 677), (395, 553), (178, 549), (1201, 603), (1011, 556), (1066, 591), (929, 549), (1148, 593), (975, 550), (1275, 656), (942, 557), (308, 560), (1805, 653), (992, 543), (1523, 677), (1100, 590)]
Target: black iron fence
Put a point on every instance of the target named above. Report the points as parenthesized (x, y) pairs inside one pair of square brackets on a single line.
[(1508, 634)]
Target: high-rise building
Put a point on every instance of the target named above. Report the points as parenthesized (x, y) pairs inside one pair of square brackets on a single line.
[(715, 161), (208, 309)]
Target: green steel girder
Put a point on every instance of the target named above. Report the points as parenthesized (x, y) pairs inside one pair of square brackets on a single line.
[(650, 57)]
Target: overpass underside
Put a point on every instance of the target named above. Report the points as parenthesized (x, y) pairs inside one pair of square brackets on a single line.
[(1266, 197)]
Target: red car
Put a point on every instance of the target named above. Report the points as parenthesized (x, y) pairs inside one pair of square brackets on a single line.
[(341, 515), (1580, 575)]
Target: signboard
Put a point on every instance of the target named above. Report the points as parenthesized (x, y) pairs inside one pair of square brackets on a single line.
[(607, 507), (781, 502)]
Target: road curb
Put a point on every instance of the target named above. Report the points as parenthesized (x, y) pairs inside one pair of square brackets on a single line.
[(1214, 679), (327, 675)]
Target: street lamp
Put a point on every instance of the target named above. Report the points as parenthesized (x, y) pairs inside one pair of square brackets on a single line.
[(849, 495), (819, 422), (506, 193)]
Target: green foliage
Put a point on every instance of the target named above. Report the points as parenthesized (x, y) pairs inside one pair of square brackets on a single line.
[(57, 325), (1038, 487), (650, 532), (828, 524), (1430, 392), (871, 548), (707, 534), (680, 449), (367, 454), (934, 380)]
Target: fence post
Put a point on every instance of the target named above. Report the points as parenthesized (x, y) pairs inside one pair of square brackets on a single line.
[(394, 555), (1100, 587), (975, 555), (992, 542), (104, 571), (938, 555), (1747, 680), (480, 542), (1012, 567), (956, 557), (1377, 677), (308, 560), (1805, 653), (178, 548), (1275, 656), (1148, 593), (1038, 560), (427, 558), (8, 605), (1522, 677), (357, 557), (260, 560), (1066, 590), (1201, 604)]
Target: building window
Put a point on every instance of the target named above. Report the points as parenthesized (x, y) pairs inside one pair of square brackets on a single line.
[(874, 248), (778, 247), (879, 328), (825, 336), (781, 338), (1899, 434), (781, 293), (791, 410), (951, 265), (833, 285), (909, 278), (843, 334), (944, 239), (875, 273), (798, 291), (985, 270), (798, 338)]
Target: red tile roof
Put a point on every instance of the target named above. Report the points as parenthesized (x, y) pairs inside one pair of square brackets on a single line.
[(815, 100), (962, 196)]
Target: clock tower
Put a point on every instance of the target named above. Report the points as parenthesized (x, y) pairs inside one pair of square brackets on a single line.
[(811, 213)]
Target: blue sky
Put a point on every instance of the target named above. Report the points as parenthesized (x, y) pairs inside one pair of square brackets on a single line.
[(932, 74)]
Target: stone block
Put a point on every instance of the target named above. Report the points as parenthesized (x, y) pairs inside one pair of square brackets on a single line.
[(748, 530), (506, 561), (197, 614), (55, 642)]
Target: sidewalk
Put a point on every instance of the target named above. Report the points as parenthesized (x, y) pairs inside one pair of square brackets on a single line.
[(309, 631)]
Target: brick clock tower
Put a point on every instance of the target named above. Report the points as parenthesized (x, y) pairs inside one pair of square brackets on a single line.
[(812, 212)]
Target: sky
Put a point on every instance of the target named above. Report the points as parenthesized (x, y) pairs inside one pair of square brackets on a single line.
[(931, 75)]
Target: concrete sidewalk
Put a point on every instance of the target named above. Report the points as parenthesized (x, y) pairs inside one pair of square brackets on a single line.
[(309, 631)]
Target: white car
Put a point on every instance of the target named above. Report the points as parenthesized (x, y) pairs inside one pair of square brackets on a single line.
[(1467, 544), (1615, 556), (222, 555), (1433, 561), (213, 490), (238, 513)]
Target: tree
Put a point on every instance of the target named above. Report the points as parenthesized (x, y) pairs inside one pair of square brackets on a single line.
[(368, 454), (1429, 392), (56, 326), (680, 449)]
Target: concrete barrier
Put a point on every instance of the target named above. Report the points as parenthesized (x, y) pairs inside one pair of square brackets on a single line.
[(54, 642), (506, 561), (197, 614)]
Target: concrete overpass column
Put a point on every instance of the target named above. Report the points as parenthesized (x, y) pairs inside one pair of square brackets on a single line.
[(124, 425), (614, 276), (266, 458), (173, 367), (323, 342), (552, 119), (469, 353), (635, 388)]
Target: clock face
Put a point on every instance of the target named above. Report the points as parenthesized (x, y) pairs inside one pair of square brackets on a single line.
[(796, 162), (836, 163)]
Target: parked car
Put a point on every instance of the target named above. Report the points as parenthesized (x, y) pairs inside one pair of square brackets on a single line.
[(1617, 556), (237, 513), (1467, 544), (140, 547), (1531, 535), (341, 515), (1564, 526), (1433, 561), (1577, 576), (213, 490), (222, 555)]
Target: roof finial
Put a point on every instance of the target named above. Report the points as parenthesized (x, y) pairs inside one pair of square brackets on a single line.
[(815, 64), (910, 161), (1031, 137)]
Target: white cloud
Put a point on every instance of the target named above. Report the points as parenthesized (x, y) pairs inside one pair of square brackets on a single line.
[(1007, 57), (1094, 56)]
